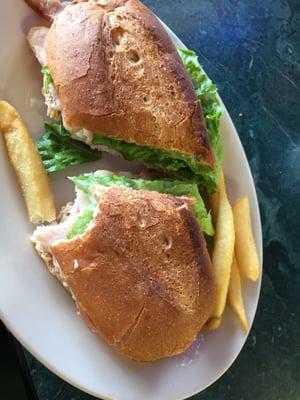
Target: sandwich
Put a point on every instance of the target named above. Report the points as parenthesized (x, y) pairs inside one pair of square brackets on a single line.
[(114, 80), (132, 253)]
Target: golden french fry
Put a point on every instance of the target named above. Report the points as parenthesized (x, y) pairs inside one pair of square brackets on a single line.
[(222, 254), (245, 248), (28, 166), (235, 297)]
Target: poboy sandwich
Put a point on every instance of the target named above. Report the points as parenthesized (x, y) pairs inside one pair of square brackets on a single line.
[(133, 255), (117, 82)]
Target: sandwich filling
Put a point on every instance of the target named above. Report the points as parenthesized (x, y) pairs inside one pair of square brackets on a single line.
[(182, 165), (45, 236), (51, 97)]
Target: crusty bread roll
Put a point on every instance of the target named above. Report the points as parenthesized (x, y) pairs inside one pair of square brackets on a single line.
[(141, 274), (118, 74)]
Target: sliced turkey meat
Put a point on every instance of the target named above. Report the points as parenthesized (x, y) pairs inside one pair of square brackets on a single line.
[(48, 9), (36, 38)]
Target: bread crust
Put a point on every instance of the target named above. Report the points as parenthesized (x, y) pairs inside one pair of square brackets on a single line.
[(117, 73), (142, 274)]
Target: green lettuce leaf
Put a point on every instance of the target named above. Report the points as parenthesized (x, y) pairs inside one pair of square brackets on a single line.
[(177, 188), (47, 78), (207, 93), (182, 165), (58, 150), (81, 222)]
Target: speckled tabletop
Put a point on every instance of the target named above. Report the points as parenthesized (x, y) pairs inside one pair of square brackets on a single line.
[(251, 48)]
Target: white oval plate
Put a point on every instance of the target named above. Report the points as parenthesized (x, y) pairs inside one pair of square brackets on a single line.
[(41, 314)]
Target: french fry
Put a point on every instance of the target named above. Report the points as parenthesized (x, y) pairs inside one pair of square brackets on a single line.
[(222, 254), (245, 248), (235, 297), (28, 166)]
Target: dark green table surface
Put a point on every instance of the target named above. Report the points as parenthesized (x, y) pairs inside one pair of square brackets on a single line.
[(251, 48)]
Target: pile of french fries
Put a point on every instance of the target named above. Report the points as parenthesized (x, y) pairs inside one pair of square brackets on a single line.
[(234, 254)]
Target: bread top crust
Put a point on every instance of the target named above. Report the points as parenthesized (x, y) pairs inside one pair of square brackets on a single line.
[(118, 73), (142, 273)]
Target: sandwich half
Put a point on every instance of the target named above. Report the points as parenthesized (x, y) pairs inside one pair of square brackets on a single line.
[(116, 81), (134, 257)]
